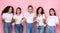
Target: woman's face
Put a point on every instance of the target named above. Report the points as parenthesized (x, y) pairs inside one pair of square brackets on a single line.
[(30, 9), (18, 11), (10, 10), (39, 11), (51, 12)]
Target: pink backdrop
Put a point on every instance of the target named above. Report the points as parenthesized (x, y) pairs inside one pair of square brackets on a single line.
[(46, 4)]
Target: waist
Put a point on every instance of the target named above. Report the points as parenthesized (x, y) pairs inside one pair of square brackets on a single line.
[(41, 23), (51, 24), (7, 22), (18, 22), (30, 22)]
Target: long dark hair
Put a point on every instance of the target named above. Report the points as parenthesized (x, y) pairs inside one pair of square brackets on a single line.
[(19, 9), (53, 11), (6, 9), (42, 12)]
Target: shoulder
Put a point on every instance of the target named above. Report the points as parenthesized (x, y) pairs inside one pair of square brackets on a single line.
[(3, 13), (33, 13), (56, 16), (25, 13), (21, 15), (43, 14), (14, 14), (48, 16)]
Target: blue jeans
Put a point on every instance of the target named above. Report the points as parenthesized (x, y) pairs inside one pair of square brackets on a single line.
[(40, 29), (18, 28), (50, 29), (7, 28), (29, 27)]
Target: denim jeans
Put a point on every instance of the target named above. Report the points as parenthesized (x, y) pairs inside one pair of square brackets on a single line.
[(50, 29), (29, 27), (7, 27), (40, 29), (18, 28)]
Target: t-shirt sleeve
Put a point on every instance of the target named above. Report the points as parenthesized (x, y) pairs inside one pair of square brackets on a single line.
[(57, 20), (14, 17), (43, 16), (34, 15), (24, 15), (47, 19), (3, 15)]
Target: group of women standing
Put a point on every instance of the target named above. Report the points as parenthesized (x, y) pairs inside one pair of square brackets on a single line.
[(8, 17)]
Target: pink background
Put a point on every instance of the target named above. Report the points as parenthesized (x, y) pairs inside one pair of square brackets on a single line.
[(46, 4)]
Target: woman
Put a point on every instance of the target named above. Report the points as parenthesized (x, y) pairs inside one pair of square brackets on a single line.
[(18, 21), (29, 17), (52, 21), (7, 16), (40, 20)]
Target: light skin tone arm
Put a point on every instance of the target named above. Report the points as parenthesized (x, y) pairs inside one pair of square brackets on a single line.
[(44, 22), (23, 21), (58, 23)]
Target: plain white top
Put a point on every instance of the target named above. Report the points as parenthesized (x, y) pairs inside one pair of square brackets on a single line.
[(52, 20), (29, 17), (40, 19), (18, 18), (7, 17)]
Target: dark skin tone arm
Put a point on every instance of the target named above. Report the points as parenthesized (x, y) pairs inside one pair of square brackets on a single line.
[(35, 22), (44, 22), (3, 20), (38, 23), (13, 20)]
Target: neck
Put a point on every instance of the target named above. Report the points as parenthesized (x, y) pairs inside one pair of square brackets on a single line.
[(52, 15), (30, 12), (9, 12), (18, 14), (39, 14)]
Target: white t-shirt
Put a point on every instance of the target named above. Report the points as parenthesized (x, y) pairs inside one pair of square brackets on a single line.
[(7, 17), (29, 17), (52, 20), (40, 19), (18, 18)]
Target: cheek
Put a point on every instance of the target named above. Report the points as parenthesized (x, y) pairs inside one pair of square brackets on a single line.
[(30, 10), (10, 10), (19, 11), (53, 12), (39, 11), (50, 12)]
